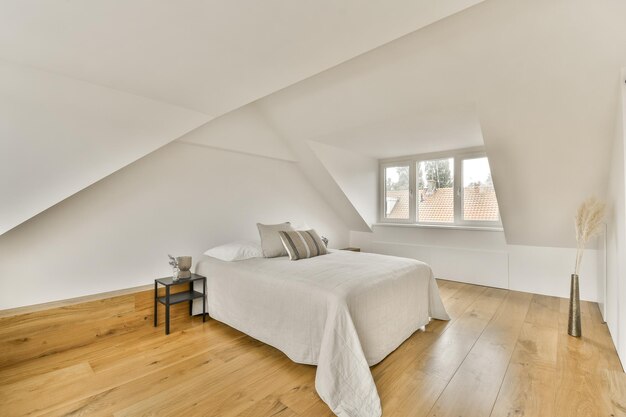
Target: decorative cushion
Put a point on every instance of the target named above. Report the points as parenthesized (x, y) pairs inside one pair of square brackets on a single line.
[(302, 244), (270, 240), (236, 251)]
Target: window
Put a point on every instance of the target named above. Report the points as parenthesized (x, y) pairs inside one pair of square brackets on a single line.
[(435, 183), (397, 197), (450, 188), (479, 195)]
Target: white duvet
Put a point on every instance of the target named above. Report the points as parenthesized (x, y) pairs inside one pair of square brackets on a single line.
[(343, 312)]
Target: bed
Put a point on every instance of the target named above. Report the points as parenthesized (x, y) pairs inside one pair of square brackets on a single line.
[(343, 312)]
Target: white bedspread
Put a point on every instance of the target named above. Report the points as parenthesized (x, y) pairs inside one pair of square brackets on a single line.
[(343, 312)]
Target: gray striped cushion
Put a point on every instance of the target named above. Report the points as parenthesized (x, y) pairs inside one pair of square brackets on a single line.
[(302, 244)]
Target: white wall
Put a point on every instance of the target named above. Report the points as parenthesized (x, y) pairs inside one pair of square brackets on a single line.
[(616, 233), (355, 174), (484, 257), (602, 269), (319, 176), (181, 199)]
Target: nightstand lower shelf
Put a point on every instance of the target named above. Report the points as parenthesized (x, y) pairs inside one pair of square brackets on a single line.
[(181, 297)]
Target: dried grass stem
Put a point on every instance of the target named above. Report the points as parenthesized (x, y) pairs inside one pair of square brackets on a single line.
[(587, 222)]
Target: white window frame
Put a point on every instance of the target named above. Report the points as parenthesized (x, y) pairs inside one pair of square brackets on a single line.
[(383, 197), (459, 156), (454, 179)]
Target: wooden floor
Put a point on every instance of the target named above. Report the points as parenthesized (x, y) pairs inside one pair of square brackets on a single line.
[(504, 353)]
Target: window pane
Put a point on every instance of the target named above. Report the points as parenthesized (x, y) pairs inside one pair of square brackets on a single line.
[(397, 192), (479, 195), (435, 182)]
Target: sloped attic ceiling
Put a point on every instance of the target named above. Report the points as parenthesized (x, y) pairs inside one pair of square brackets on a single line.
[(198, 60), (118, 79), (542, 75), (419, 132), (210, 56), (59, 135)]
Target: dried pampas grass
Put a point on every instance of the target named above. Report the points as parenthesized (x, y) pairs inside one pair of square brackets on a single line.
[(588, 222)]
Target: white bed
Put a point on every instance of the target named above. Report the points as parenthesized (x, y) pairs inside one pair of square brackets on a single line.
[(343, 312)]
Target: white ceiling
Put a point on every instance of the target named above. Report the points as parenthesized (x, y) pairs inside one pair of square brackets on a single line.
[(243, 130), (90, 86), (210, 56), (541, 78), (423, 132), (58, 136), (544, 77)]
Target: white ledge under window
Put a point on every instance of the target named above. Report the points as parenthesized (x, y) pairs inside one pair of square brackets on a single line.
[(443, 226)]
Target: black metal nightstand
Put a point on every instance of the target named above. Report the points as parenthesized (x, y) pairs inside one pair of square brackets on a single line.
[(352, 249), (179, 297)]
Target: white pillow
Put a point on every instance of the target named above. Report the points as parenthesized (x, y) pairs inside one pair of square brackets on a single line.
[(270, 239), (236, 251)]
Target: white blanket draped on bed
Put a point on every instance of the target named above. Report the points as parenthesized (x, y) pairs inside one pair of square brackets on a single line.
[(343, 312)]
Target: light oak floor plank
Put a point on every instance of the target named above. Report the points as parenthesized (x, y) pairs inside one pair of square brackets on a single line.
[(528, 386), (485, 365)]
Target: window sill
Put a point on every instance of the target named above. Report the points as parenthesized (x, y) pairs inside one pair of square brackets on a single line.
[(441, 226)]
